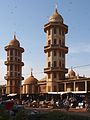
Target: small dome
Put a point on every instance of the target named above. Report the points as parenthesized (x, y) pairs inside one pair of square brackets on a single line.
[(30, 80), (14, 42), (56, 17), (71, 73)]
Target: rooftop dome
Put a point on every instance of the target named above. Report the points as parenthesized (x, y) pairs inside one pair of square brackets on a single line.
[(56, 17), (30, 80), (14, 42), (71, 73)]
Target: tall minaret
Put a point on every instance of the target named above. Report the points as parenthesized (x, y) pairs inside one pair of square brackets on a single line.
[(55, 51), (14, 66)]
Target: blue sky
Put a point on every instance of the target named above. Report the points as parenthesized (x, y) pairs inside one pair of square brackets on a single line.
[(26, 19)]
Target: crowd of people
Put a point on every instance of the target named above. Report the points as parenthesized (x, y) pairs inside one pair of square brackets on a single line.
[(58, 102), (53, 101)]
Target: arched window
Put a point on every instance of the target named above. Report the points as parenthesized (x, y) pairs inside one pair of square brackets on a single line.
[(49, 64), (59, 31), (54, 75), (55, 63), (55, 31), (49, 32), (11, 52), (49, 42), (55, 53), (55, 42)]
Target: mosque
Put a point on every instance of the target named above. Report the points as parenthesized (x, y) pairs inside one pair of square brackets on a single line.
[(55, 50)]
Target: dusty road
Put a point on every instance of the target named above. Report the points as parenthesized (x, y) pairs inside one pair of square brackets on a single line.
[(81, 112)]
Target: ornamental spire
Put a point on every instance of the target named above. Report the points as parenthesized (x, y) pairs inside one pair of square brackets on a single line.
[(14, 37), (31, 72), (56, 5)]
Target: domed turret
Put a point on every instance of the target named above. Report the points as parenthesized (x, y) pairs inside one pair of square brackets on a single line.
[(14, 42), (71, 73), (30, 85), (56, 17), (30, 80)]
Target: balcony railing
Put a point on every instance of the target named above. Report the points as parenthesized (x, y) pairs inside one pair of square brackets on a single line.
[(55, 69), (8, 77), (56, 46), (13, 62)]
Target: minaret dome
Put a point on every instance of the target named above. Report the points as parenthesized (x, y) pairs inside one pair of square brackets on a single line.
[(56, 17), (14, 42)]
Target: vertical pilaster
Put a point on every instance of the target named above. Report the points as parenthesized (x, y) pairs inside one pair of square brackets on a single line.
[(86, 85), (65, 87), (74, 86)]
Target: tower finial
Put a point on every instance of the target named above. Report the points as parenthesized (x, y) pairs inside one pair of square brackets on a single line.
[(56, 5), (15, 35), (31, 72), (71, 67)]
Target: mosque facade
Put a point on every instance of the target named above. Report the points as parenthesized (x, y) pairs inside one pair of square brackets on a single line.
[(56, 80), (55, 69)]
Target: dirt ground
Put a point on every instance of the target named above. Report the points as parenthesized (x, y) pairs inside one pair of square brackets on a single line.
[(73, 111)]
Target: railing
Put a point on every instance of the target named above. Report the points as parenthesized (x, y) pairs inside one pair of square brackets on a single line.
[(55, 69), (13, 77), (56, 46), (14, 62)]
